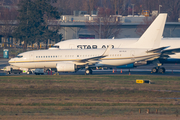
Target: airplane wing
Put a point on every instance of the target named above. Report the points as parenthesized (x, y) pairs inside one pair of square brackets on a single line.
[(96, 59)]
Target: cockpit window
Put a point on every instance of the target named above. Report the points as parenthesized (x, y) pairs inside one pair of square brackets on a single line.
[(19, 56), (55, 47)]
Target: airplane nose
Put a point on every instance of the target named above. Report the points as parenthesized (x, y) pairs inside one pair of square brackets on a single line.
[(11, 60)]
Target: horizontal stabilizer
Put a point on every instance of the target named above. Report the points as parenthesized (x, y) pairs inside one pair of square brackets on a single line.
[(165, 53), (157, 50), (171, 51)]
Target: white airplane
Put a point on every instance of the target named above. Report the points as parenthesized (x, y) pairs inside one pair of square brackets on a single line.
[(103, 43), (70, 60), (173, 43)]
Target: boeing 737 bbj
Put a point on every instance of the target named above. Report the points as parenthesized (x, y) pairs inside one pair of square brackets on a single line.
[(173, 43), (146, 48)]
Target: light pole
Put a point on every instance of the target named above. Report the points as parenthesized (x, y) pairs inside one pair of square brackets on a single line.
[(160, 8), (133, 9)]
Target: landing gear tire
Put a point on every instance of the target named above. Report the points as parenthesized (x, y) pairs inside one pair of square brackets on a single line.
[(154, 70), (9, 72), (158, 70), (88, 71), (161, 70), (29, 72)]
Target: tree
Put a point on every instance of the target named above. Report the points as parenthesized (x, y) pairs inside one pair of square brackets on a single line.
[(48, 12), (66, 7), (33, 20), (8, 19), (105, 26), (92, 5), (172, 8), (117, 6), (89, 5), (28, 25)]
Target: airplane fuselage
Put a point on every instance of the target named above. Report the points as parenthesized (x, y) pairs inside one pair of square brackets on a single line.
[(49, 58), (116, 43)]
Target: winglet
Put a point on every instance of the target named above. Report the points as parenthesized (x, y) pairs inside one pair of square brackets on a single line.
[(106, 53)]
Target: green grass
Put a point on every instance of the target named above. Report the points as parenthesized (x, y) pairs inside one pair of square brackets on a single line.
[(87, 95)]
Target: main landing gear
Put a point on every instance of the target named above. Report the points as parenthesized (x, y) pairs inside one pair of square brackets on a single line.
[(158, 70), (29, 72), (88, 71)]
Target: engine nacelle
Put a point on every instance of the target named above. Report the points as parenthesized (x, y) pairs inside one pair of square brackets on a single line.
[(65, 67), (140, 63)]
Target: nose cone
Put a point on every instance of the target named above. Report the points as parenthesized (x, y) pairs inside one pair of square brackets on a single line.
[(11, 61)]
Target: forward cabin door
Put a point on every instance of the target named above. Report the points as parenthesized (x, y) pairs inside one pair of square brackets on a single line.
[(31, 55), (132, 54), (31, 63)]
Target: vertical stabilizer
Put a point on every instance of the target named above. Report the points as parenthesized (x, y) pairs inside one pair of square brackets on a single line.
[(151, 38)]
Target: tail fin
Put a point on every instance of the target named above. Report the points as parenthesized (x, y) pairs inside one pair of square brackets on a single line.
[(151, 38)]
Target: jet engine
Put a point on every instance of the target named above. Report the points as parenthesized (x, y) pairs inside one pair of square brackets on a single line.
[(65, 67)]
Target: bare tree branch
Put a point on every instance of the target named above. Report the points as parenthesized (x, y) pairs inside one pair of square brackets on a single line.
[(8, 19), (104, 25)]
